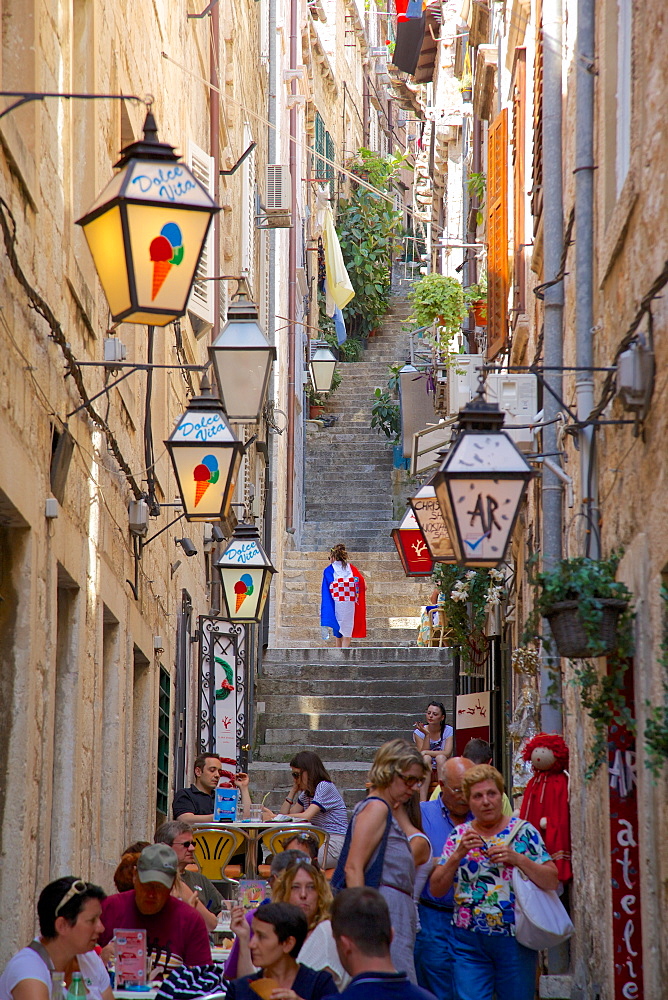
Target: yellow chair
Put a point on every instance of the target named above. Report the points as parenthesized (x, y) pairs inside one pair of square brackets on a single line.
[(213, 849), (439, 633), (271, 840)]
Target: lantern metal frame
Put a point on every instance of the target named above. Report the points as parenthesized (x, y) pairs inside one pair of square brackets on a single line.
[(244, 556), (242, 342), (206, 420), (481, 453), (176, 189), (320, 353)]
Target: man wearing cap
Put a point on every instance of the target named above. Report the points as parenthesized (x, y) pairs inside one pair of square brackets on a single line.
[(175, 933)]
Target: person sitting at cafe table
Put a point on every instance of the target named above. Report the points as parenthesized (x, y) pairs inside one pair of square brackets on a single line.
[(69, 922), (196, 804), (176, 934), (190, 885), (279, 931)]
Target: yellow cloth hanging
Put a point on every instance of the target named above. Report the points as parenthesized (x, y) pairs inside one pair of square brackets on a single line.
[(339, 285)]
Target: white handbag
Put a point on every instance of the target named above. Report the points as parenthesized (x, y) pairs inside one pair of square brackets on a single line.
[(541, 921)]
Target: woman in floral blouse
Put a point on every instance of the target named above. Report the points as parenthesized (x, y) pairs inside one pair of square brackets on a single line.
[(479, 857)]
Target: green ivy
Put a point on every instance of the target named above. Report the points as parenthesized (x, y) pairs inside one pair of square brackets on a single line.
[(656, 726), (438, 297), (369, 232)]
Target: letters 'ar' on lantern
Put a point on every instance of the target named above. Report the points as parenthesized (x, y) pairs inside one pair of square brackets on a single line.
[(146, 232), (242, 358), (206, 455), (245, 572), (412, 547), (480, 485), (428, 515)]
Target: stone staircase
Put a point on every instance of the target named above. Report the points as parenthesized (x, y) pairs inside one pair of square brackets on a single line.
[(343, 704), (354, 496)]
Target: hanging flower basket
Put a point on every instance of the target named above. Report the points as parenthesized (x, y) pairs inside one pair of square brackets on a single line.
[(570, 633), (479, 310)]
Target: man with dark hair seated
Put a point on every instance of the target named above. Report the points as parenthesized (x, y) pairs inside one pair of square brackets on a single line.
[(279, 931), (363, 934)]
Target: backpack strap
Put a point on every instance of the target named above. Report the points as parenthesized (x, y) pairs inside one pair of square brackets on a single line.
[(516, 829), (43, 954), (373, 873)]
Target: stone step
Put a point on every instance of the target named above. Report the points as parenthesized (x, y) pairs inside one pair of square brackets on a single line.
[(297, 660), (319, 722)]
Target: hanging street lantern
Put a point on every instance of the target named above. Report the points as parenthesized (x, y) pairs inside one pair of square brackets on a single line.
[(242, 358), (412, 547), (321, 366), (246, 572), (480, 485), (206, 456), (146, 232), (428, 515)]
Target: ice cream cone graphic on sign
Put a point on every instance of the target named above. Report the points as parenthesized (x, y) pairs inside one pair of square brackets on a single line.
[(204, 475), (166, 250), (243, 588)]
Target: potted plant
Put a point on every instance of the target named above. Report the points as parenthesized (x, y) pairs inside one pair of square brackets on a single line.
[(476, 299), (318, 400), (466, 87), (438, 298), (468, 597), (583, 603), (386, 418)]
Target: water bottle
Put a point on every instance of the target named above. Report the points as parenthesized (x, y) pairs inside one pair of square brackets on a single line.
[(57, 985), (77, 990)]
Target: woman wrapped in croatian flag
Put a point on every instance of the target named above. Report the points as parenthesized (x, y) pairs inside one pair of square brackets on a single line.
[(343, 603)]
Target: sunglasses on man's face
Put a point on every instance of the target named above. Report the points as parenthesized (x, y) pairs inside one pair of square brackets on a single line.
[(185, 843), (77, 888)]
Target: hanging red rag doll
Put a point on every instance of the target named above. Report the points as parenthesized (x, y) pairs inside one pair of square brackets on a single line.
[(545, 802)]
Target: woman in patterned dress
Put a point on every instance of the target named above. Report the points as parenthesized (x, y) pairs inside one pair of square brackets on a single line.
[(343, 603), (479, 857)]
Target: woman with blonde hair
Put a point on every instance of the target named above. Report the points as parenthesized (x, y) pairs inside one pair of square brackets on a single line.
[(343, 598), (377, 852), (304, 885)]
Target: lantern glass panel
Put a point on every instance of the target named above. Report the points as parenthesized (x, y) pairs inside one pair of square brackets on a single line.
[(430, 519), (484, 512), (104, 236), (206, 472), (163, 281), (242, 376), (321, 367), (243, 587)]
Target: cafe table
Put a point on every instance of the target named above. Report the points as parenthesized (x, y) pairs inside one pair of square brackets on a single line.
[(252, 832)]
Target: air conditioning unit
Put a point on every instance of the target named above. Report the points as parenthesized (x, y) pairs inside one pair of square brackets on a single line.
[(462, 380), (517, 396), (277, 207)]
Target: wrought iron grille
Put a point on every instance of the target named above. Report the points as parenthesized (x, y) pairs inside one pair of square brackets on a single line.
[(225, 641)]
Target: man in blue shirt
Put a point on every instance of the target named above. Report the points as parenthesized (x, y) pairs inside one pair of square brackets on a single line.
[(433, 955), (363, 933)]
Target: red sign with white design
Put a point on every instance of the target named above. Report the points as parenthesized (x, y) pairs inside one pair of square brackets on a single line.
[(412, 547), (625, 866)]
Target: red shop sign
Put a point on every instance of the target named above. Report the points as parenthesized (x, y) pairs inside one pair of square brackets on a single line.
[(625, 866), (412, 547)]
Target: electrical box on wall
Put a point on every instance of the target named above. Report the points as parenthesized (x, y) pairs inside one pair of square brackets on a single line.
[(517, 397)]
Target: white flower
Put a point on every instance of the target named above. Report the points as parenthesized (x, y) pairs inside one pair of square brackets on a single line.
[(496, 574), (458, 595), (470, 575)]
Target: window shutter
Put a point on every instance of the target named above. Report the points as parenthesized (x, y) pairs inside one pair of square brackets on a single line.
[(537, 171), (497, 235), (248, 203), (518, 141), (329, 169), (319, 164), (203, 294)]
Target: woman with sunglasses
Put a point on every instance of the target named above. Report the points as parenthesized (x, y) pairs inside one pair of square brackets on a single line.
[(380, 854), (315, 799), (304, 885), (69, 921)]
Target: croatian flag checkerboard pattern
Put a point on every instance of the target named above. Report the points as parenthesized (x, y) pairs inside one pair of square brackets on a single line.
[(343, 590)]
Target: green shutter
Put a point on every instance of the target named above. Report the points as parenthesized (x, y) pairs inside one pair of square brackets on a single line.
[(164, 711), (329, 153), (319, 145)]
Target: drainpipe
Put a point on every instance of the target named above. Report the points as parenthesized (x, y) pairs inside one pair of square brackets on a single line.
[(553, 236), (214, 141), (292, 278), (584, 258)]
